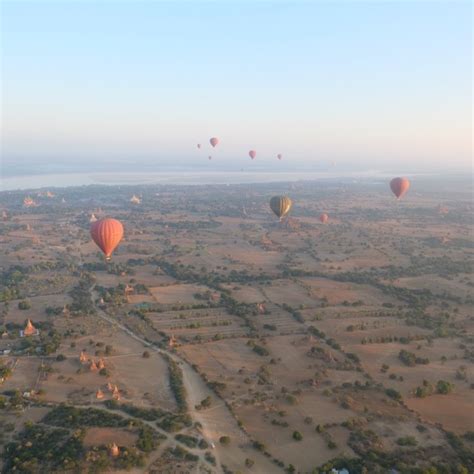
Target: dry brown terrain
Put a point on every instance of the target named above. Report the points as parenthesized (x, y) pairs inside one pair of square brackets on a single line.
[(309, 346)]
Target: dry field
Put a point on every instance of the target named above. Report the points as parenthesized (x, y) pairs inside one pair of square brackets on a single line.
[(293, 327), (107, 436)]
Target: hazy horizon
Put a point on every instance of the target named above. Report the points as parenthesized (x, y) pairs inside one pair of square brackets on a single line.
[(117, 85)]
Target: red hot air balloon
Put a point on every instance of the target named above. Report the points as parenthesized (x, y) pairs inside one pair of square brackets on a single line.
[(323, 218), (279, 156), (107, 233), (399, 186), (252, 154), (214, 141)]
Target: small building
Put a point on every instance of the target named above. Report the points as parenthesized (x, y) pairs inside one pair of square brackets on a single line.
[(172, 342), (99, 394), (114, 450), (28, 202), (29, 330)]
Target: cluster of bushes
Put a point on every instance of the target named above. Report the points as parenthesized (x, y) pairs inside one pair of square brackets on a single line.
[(442, 387), (180, 453), (174, 422), (297, 315), (410, 359), (148, 438), (80, 294), (260, 350), (148, 414), (205, 403)]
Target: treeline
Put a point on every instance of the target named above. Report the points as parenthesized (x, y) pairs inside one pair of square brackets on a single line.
[(176, 384)]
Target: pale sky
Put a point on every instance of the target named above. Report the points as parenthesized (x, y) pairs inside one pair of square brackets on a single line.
[(371, 83)]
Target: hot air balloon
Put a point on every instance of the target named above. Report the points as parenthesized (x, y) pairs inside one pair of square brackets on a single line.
[(209, 157), (214, 141), (279, 156), (399, 186), (323, 218), (199, 145), (252, 154), (107, 233), (280, 205)]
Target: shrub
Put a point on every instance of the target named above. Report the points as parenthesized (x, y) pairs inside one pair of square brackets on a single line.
[(392, 393), (407, 441), (444, 387), (297, 436), (224, 440), (249, 463), (24, 304)]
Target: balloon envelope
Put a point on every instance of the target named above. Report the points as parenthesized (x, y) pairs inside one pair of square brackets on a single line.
[(214, 141), (399, 186), (252, 154), (280, 205), (323, 217), (199, 145), (209, 157), (279, 156), (107, 233)]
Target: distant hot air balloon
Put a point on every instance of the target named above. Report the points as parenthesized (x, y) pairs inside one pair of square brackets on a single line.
[(252, 154), (323, 218), (107, 233), (209, 157), (199, 145), (279, 156), (399, 186), (280, 205), (214, 141)]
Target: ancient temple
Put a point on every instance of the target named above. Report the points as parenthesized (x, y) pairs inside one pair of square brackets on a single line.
[(29, 330), (114, 450)]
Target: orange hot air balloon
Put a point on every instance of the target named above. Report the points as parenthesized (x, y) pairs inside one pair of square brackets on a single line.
[(252, 154), (323, 218), (399, 186), (279, 156), (214, 141), (107, 233)]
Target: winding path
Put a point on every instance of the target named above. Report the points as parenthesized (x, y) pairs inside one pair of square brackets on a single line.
[(216, 421)]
